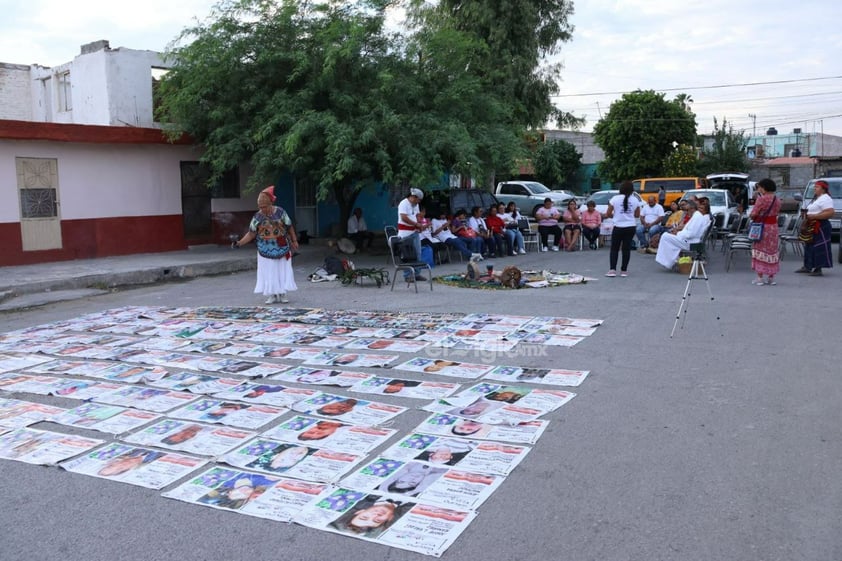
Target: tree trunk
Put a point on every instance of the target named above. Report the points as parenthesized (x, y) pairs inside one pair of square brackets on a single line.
[(345, 196)]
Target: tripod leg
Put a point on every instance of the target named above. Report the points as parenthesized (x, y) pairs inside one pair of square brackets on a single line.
[(684, 298), (710, 293)]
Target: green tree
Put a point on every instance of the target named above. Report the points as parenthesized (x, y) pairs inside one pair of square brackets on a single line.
[(518, 35), (681, 162), (323, 90), (555, 162), (638, 133), (726, 152)]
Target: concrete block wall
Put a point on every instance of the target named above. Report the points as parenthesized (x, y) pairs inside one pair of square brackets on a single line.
[(15, 92)]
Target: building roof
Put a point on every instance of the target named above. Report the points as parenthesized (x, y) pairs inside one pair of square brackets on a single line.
[(801, 161), (100, 134)]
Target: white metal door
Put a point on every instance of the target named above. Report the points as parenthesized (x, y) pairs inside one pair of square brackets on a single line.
[(40, 223), (306, 215)]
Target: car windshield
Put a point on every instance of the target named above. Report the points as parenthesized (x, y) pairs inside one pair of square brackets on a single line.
[(602, 197), (536, 187), (716, 199), (834, 189)]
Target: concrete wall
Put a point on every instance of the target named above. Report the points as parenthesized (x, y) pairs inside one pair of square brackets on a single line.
[(108, 87), (15, 92), (114, 199)]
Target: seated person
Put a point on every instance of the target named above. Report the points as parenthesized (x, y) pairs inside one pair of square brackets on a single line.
[(477, 223), (675, 218), (514, 237), (591, 221), (651, 215), (496, 228), (426, 235), (548, 216), (572, 219), (358, 230), (670, 245), (459, 227), (441, 231)]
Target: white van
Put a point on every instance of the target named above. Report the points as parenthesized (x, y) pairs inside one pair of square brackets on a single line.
[(835, 192)]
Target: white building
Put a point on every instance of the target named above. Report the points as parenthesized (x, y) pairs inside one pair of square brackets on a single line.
[(86, 172)]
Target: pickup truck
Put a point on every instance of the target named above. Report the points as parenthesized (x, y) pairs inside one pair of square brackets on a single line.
[(530, 195)]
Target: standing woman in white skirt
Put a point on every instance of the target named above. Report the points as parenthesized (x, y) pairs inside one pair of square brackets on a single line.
[(276, 241)]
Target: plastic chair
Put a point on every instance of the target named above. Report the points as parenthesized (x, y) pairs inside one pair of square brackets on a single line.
[(393, 243), (530, 237)]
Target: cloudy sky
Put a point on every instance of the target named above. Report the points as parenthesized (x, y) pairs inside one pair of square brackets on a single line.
[(780, 61)]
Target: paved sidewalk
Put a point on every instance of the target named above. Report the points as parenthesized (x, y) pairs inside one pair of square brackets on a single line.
[(25, 286)]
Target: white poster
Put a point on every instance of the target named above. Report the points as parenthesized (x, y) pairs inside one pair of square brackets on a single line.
[(292, 460), (187, 436), (349, 409), (451, 425), (42, 447), (254, 494), (470, 455), (232, 413), (134, 465), (331, 434)]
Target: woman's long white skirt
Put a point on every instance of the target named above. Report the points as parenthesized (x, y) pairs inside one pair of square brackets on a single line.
[(274, 276)]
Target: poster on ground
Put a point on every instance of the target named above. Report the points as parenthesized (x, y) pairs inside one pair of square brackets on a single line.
[(331, 434), (187, 436), (451, 425), (428, 483), (408, 525), (253, 494), (292, 460), (42, 447), (134, 465), (470, 455)]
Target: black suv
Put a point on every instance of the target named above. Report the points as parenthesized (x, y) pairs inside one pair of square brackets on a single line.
[(454, 199)]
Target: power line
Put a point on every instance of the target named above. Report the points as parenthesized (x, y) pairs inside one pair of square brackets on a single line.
[(719, 86)]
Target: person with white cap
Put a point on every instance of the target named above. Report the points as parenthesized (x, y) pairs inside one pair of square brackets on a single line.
[(409, 227)]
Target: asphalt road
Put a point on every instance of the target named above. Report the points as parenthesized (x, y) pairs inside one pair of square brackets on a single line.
[(721, 443)]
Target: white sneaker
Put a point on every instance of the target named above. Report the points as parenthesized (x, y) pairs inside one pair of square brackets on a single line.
[(514, 253), (555, 248), (476, 257), (271, 299), (282, 298), (544, 248), (522, 252)]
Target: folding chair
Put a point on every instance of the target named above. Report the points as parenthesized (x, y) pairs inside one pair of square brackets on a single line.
[(393, 243), (788, 236), (530, 237)]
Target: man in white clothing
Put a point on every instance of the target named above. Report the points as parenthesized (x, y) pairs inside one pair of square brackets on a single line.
[(409, 227), (651, 215), (671, 244), (358, 230)]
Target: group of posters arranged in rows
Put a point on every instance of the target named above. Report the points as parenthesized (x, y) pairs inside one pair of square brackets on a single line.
[(178, 388)]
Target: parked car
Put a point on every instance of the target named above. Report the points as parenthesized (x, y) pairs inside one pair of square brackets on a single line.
[(721, 202), (790, 199), (451, 200), (529, 195), (579, 198), (601, 199), (737, 183)]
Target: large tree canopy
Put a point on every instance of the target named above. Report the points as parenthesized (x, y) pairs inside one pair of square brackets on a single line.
[(519, 34), (322, 89), (639, 132), (555, 162)]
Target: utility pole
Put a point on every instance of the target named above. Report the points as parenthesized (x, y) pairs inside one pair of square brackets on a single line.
[(753, 118)]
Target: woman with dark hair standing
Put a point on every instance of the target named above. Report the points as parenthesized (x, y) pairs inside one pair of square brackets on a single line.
[(765, 256), (816, 216), (625, 211)]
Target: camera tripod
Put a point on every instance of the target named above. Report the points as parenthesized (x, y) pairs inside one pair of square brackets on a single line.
[(697, 271)]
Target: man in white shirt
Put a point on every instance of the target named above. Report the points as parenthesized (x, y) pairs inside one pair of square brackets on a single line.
[(358, 230), (671, 244), (409, 227), (651, 216)]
